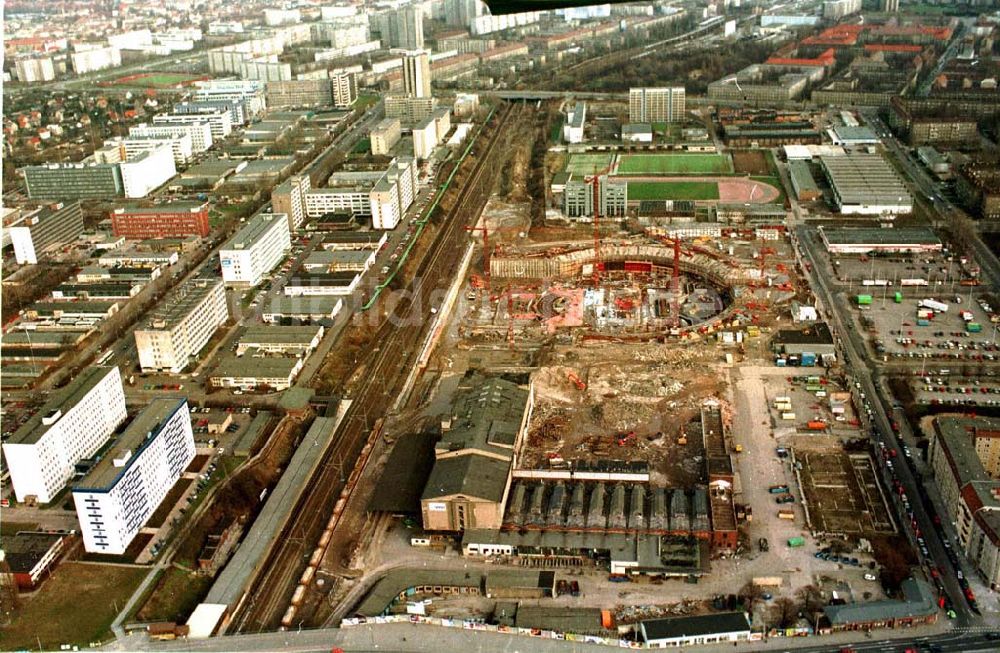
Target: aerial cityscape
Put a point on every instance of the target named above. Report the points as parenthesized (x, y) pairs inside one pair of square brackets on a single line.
[(516, 325)]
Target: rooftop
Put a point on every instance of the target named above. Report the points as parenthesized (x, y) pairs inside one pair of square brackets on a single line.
[(703, 624), (249, 366), (128, 446), (879, 236), (487, 416), (179, 304), (279, 334), (918, 601), (256, 228), (321, 306), (170, 207), (865, 179), (26, 549), (62, 399)]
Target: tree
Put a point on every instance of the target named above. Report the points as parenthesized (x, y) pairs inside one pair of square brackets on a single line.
[(750, 593), (810, 600), (786, 612)]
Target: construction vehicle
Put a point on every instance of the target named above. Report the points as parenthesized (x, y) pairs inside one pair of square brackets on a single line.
[(625, 439), (577, 381)]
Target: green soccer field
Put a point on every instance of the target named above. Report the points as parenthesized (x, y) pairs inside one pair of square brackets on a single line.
[(169, 79), (672, 190), (675, 164), (588, 164)]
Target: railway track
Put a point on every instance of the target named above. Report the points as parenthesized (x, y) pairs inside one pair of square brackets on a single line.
[(386, 367)]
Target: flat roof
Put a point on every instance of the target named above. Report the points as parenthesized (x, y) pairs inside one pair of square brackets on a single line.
[(62, 399), (564, 619), (864, 179), (179, 304), (322, 305), (128, 446), (880, 236), (353, 237), (249, 437), (339, 279), (256, 228), (171, 207), (265, 167), (231, 582), (852, 133), (956, 438), (279, 334), (24, 550), (405, 474), (816, 334), (248, 366), (918, 601), (702, 624)]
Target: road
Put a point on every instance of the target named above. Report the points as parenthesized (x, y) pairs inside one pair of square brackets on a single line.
[(852, 350)]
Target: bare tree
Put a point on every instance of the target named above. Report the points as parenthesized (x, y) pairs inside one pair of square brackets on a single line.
[(810, 600), (786, 612), (750, 593)]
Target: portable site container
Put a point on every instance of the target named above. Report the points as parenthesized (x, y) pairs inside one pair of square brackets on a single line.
[(898, 298), (788, 416), (796, 541), (786, 514), (782, 400), (780, 362), (973, 327), (923, 322), (864, 300)]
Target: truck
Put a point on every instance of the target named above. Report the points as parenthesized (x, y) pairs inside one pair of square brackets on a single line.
[(778, 489), (934, 305), (796, 541), (966, 316), (925, 313), (816, 425)]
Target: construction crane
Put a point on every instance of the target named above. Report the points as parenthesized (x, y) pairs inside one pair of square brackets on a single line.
[(675, 286), (486, 252)]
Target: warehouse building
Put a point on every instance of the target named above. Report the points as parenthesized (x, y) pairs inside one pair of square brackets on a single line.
[(965, 455), (866, 184), (286, 340), (45, 229), (899, 240), (184, 322), (256, 249), (471, 477), (255, 370), (122, 491), (803, 184), (72, 425), (161, 221), (302, 309)]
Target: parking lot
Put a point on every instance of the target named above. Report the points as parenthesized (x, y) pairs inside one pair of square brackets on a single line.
[(956, 391), (932, 272), (897, 331)]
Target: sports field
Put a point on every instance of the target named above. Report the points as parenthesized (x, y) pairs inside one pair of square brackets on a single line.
[(673, 190), (675, 164), (157, 80), (588, 164)]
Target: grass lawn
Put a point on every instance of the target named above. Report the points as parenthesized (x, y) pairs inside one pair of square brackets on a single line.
[(363, 146), (776, 182), (587, 164), (175, 596), (674, 164), (673, 190), (12, 527), (169, 79), (75, 606)]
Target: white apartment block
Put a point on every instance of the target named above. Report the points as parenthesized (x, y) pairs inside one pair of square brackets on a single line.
[(147, 171), (256, 249), (656, 104), (36, 69), (88, 61), (73, 425), (417, 73), (424, 138), (180, 146), (200, 133), (345, 88), (321, 201), (385, 135), (122, 491), (220, 122), (184, 322), (394, 193), (250, 93)]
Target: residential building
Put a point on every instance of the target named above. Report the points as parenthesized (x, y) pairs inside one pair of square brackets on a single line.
[(919, 126), (575, 120), (161, 221), (180, 146), (424, 138), (417, 73), (183, 323), (656, 104), (220, 121), (91, 60), (409, 109), (300, 93), (289, 198), (866, 184), (470, 479), (35, 69), (837, 9), (578, 198), (384, 136), (344, 86), (44, 229), (889, 6), (147, 171), (256, 249), (200, 133), (979, 188), (400, 28), (338, 199), (71, 426), (72, 181), (266, 69), (765, 83), (122, 491)]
